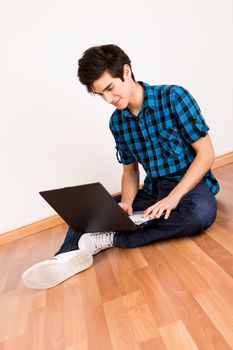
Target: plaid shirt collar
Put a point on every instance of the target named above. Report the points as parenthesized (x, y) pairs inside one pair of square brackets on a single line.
[(148, 102)]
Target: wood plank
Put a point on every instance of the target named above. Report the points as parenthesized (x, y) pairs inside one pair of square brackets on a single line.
[(122, 270), (216, 247), (220, 314), (177, 337), (155, 296), (74, 311), (119, 325), (185, 270), (208, 268), (140, 317), (108, 285), (152, 344), (181, 302), (129, 317), (98, 336)]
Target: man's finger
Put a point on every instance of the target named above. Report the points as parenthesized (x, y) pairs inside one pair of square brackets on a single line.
[(130, 212), (147, 212), (150, 210), (168, 212), (159, 212)]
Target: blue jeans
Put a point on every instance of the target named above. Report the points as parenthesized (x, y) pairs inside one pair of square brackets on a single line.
[(195, 213)]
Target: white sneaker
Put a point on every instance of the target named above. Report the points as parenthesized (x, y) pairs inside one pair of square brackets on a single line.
[(49, 273), (96, 241)]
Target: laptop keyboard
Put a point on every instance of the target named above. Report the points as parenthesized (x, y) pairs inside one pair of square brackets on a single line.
[(138, 219)]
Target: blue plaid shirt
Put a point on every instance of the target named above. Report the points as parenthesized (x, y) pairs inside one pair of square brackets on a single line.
[(160, 137)]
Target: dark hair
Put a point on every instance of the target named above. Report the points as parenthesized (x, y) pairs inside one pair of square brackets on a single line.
[(98, 59)]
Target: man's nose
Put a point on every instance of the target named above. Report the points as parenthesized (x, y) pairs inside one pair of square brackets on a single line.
[(108, 97)]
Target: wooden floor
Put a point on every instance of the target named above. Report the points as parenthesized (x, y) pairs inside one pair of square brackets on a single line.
[(173, 295)]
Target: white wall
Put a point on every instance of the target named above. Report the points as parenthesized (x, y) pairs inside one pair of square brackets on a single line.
[(52, 132)]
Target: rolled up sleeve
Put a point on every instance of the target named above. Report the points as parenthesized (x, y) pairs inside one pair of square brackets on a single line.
[(123, 153), (191, 123)]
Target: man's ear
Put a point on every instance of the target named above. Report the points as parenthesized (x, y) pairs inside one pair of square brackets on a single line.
[(127, 70)]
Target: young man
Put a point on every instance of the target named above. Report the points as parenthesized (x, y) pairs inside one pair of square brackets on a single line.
[(160, 127)]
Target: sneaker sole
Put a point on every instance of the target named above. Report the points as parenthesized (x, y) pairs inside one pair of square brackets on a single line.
[(49, 273)]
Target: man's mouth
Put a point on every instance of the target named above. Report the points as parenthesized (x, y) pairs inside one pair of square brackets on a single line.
[(116, 103)]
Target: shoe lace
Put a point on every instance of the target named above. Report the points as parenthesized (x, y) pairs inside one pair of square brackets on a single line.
[(102, 240)]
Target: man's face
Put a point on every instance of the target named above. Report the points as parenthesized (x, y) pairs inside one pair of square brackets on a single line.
[(114, 90)]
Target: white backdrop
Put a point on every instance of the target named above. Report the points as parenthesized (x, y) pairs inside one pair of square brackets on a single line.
[(53, 133)]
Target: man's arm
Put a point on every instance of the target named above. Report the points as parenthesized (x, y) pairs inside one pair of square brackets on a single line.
[(129, 186), (200, 165)]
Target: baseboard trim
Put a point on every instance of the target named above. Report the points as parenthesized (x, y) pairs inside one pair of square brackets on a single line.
[(31, 229), (56, 220), (225, 159)]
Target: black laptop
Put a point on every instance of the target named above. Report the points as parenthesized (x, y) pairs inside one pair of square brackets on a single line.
[(91, 208)]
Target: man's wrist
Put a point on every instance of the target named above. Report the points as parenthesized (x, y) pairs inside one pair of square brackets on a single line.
[(176, 194), (126, 201)]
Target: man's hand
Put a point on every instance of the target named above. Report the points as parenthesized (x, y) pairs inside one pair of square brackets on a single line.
[(164, 206), (126, 207)]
